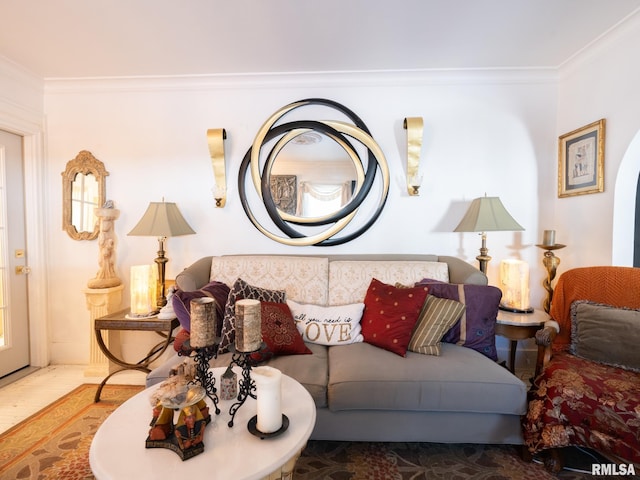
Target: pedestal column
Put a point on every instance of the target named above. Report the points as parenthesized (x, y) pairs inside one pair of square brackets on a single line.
[(100, 302)]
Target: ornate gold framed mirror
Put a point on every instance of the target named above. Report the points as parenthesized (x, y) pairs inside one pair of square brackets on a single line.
[(83, 190)]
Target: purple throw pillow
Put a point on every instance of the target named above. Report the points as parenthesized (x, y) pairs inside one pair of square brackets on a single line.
[(476, 328), (182, 303)]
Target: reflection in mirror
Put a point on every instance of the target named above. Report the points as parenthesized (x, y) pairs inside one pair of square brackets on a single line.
[(83, 190), (84, 199), (312, 176)]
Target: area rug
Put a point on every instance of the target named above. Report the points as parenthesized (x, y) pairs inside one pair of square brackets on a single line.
[(419, 461), (54, 444)]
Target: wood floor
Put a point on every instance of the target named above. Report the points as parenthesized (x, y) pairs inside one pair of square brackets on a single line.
[(22, 398)]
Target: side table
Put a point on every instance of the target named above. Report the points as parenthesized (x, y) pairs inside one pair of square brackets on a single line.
[(518, 326), (119, 321)]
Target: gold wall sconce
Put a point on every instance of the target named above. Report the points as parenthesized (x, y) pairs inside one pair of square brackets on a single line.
[(414, 127), (215, 139)]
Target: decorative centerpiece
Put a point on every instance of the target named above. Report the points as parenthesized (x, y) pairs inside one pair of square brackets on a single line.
[(185, 437)]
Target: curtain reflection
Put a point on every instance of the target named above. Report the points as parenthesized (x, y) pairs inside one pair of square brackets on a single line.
[(316, 199)]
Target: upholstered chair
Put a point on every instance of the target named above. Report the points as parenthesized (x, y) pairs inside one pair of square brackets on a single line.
[(586, 391)]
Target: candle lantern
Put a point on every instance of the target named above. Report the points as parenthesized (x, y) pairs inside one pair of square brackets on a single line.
[(248, 325), (229, 384), (144, 282), (514, 283)]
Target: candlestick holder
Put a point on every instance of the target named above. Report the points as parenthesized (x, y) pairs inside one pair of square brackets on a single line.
[(246, 385), (550, 262), (204, 377)]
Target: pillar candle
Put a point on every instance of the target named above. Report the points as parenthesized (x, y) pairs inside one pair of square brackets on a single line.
[(549, 238), (248, 325), (514, 283), (269, 398), (203, 322), (143, 289)]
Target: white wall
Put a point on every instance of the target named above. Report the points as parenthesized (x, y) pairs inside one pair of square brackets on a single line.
[(602, 83), (492, 131), (486, 132)]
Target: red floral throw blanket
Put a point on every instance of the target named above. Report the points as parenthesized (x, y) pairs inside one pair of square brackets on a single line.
[(607, 399)]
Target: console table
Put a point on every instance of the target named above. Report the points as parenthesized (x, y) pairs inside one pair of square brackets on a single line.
[(518, 326), (119, 321), (118, 447)]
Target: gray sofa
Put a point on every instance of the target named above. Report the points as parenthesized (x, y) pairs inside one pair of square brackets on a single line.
[(365, 393)]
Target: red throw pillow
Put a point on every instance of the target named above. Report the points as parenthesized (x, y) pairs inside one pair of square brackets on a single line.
[(390, 313), (279, 333)]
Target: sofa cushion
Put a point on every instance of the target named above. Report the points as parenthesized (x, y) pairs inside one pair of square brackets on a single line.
[(240, 290), (390, 314), (476, 328), (303, 278), (334, 325), (437, 316), (181, 302), (350, 279), (459, 380), (605, 334), (312, 371)]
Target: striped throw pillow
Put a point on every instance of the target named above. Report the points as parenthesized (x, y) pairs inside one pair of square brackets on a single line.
[(438, 315)]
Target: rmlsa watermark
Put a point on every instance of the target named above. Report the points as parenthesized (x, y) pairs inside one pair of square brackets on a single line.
[(613, 469)]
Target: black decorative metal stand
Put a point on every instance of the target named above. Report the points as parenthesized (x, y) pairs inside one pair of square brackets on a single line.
[(246, 386), (204, 376)]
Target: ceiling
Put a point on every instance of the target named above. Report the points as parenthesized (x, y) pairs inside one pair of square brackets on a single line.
[(107, 38)]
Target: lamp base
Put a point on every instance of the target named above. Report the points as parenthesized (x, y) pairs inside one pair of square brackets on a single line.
[(515, 310)]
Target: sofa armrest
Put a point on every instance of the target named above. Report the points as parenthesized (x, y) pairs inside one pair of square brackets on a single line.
[(195, 275), (463, 272), (544, 340)]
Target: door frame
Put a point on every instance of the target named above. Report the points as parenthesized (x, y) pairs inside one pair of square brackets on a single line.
[(29, 126)]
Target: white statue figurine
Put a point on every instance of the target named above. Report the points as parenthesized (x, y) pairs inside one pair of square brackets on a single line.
[(106, 276)]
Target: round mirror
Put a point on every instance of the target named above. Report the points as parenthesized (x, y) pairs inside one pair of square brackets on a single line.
[(334, 177), (83, 190)]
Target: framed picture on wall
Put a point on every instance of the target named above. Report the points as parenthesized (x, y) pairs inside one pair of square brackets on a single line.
[(581, 160)]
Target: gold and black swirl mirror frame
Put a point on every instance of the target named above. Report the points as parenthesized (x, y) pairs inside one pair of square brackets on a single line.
[(344, 134)]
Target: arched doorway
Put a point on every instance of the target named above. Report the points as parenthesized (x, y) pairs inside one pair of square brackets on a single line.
[(626, 208)]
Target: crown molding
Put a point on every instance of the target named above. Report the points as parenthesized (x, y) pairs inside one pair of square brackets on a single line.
[(601, 45), (301, 79)]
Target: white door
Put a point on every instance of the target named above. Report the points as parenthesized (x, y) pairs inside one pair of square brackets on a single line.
[(14, 312)]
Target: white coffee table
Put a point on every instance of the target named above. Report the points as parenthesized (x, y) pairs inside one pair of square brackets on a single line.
[(118, 449)]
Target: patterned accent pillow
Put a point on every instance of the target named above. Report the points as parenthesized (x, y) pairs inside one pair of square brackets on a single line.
[(437, 316), (477, 326), (390, 314), (240, 290), (333, 325), (279, 333), (181, 302)]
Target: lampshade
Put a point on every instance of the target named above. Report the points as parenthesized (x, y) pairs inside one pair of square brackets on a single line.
[(487, 214), (162, 219)]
